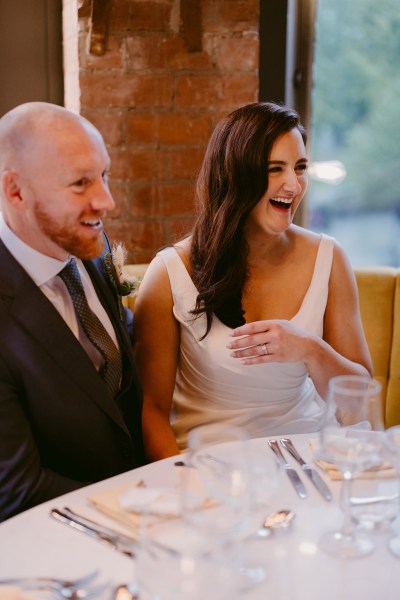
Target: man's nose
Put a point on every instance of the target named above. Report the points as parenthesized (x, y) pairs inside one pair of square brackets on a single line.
[(102, 198)]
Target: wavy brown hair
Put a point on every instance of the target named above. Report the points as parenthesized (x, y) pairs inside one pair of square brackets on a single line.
[(232, 180)]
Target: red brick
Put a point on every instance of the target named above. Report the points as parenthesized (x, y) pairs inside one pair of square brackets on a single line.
[(108, 123), (138, 235), (230, 15), (239, 90), (177, 228), (137, 165), (168, 128), (142, 128), (125, 90), (139, 16), (185, 163), (184, 128), (238, 53), (161, 52), (162, 200), (112, 59), (200, 91)]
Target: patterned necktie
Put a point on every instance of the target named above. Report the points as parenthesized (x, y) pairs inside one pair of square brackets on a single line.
[(97, 334)]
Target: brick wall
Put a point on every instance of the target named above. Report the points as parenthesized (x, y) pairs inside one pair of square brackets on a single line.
[(156, 103)]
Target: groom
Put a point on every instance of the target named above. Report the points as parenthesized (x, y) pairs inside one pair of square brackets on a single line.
[(70, 401)]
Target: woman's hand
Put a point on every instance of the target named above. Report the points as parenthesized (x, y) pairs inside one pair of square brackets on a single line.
[(270, 341)]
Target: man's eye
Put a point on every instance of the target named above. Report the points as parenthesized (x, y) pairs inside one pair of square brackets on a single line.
[(80, 182)]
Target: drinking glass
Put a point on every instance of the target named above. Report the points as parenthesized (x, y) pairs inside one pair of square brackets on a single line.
[(217, 496), (353, 445), (392, 442)]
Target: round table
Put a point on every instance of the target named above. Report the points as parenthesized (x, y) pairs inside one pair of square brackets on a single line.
[(33, 543)]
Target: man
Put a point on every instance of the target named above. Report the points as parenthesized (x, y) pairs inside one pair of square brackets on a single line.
[(70, 401)]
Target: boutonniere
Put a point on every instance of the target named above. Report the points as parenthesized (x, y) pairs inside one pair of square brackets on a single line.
[(123, 283)]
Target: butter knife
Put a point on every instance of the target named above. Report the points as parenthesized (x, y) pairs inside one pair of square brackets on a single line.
[(311, 473), (290, 472), (118, 541)]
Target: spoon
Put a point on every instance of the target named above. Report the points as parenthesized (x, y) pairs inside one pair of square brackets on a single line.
[(280, 519), (126, 592)]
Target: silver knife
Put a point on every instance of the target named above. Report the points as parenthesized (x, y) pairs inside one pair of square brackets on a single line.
[(116, 540), (291, 473), (311, 473)]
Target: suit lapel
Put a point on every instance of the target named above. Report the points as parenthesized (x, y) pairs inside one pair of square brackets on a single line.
[(25, 303)]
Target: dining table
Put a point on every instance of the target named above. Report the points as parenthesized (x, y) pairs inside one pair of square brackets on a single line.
[(33, 543)]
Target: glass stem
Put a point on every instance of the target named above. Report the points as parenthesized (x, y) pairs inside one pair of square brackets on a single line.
[(347, 527)]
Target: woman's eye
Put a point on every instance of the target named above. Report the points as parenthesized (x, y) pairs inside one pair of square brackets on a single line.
[(274, 169), (302, 167)]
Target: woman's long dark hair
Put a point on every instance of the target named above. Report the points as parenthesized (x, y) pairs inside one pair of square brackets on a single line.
[(232, 180)]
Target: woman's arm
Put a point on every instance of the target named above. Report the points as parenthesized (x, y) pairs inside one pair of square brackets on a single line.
[(156, 347), (343, 349)]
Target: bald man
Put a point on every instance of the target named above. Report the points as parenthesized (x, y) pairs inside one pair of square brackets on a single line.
[(63, 422)]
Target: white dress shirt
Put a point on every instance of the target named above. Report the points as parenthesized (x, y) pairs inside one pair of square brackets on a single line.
[(44, 271)]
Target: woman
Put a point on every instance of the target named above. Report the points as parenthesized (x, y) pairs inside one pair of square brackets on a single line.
[(246, 321)]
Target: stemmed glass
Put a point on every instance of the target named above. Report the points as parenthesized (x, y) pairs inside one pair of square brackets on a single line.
[(353, 444), (217, 495), (392, 442)]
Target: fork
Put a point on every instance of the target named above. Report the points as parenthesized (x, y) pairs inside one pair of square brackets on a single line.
[(64, 588)]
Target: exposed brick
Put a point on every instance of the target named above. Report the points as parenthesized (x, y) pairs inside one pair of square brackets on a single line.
[(168, 128), (137, 165), (139, 16), (139, 236), (161, 52), (112, 59), (239, 90), (178, 227), (200, 91), (239, 53), (125, 90), (108, 123), (230, 15), (185, 163), (162, 200)]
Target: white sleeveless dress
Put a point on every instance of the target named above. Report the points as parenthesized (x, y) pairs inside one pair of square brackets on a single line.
[(211, 386)]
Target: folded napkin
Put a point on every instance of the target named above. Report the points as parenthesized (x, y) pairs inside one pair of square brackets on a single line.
[(382, 471), (12, 593), (125, 503)]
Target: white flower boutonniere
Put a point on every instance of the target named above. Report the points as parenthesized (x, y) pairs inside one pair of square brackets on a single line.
[(124, 284)]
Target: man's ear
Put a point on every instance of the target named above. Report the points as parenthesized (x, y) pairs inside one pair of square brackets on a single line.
[(11, 189)]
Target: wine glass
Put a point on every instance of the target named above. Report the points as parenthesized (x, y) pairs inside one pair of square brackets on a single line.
[(392, 442), (353, 443), (217, 496)]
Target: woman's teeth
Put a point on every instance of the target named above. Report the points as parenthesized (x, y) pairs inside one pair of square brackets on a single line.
[(281, 202)]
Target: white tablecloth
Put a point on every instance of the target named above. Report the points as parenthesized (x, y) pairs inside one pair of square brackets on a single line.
[(33, 543)]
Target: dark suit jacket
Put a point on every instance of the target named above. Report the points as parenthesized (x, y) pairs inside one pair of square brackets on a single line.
[(59, 427)]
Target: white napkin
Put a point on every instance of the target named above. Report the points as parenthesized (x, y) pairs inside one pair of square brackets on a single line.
[(381, 471), (12, 593), (158, 501), (125, 503)]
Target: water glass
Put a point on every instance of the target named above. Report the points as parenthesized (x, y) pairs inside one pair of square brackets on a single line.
[(353, 445)]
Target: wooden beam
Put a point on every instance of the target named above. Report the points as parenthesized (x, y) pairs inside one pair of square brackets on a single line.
[(191, 28), (100, 10)]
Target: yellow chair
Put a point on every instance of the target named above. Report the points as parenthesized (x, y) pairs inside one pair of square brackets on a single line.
[(379, 294)]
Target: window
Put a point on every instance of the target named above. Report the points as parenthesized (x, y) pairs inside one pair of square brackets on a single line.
[(356, 124)]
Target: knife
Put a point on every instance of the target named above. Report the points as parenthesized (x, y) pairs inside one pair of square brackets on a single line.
[(116, 540), (311, 473), (291, 473)]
